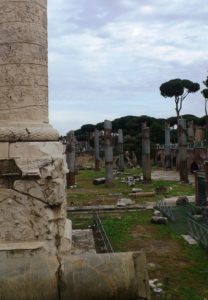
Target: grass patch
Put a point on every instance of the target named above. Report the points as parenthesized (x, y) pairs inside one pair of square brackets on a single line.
[(182, 269)]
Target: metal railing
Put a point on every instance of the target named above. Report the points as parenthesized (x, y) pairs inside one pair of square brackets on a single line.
[(100, 229), (198, 231), (167, 210)]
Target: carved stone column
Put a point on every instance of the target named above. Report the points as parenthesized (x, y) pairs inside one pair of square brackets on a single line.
[(32, 160)]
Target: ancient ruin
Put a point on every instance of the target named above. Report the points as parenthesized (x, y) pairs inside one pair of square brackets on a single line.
[(35, 235), (195, 147)]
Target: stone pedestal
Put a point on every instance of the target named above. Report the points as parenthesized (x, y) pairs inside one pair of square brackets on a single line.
[(32, 195), (32, 161)]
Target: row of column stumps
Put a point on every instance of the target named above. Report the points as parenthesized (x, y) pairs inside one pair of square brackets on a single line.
[(71, 153), (108, 152)]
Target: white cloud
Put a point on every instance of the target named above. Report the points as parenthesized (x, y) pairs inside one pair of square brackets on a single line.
[(119, 52)]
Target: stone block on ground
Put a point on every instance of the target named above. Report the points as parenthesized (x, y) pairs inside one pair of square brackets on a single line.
[(125, 202), (159, 220), (182, 200), (136, 190), (157, 213), (142, 194), (98, 181), (189, 239)]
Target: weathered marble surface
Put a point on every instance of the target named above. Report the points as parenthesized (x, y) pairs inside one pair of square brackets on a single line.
[(24, 72), (32, 194), (79, 277)]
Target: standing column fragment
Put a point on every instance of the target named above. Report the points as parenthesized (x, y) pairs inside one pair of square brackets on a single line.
[(182, 150), (108, 152), (167, 146), (146, 161), (190, 131), (97, 149), (120, 150), (70, 158)]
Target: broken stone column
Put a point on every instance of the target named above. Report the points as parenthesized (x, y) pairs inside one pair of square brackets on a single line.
[(97, 149), (108, 152), (190, 131), (146, 160), (32, 160), (120, 150), (182, 150), (85, 277), (167, 146), (70, 157)]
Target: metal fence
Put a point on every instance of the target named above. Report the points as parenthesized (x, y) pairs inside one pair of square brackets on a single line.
[(187, 219), (198, 231), (106, 245), (201, 196)]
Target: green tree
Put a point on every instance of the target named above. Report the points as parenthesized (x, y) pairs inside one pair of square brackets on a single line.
[(179, 89), (205, 95)]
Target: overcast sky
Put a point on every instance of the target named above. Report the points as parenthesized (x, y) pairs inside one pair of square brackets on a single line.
[(107, 58)]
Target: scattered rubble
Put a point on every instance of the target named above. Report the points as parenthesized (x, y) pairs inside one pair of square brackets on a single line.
[(155, 285)]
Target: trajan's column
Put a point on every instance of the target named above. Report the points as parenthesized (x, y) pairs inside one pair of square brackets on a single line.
[(32, 161)]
